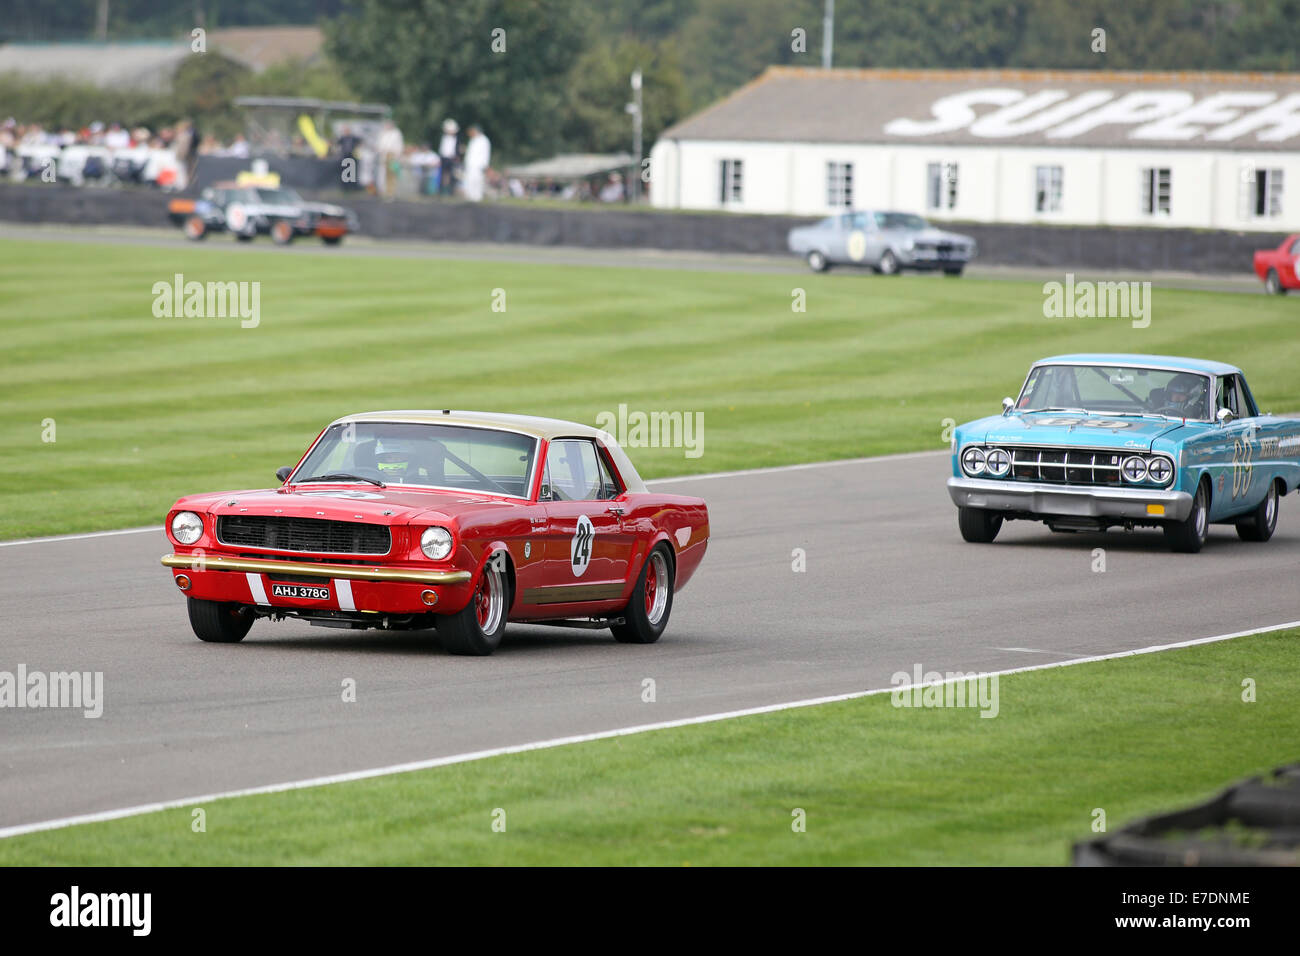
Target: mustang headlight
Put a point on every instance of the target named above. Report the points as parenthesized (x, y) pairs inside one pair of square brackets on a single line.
[(435, 543), (1159, 470), (997, 462), (1135, 469), (972, 461), (187, 527)]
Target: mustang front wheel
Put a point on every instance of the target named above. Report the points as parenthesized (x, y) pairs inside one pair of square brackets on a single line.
[(646, 615), (476, 629), (978, 525), (218, 623), (1262, 521)]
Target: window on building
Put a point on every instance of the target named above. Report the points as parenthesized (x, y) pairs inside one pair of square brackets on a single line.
[(1261, 192), (941, 186), (1047, 188), (732, 181), (839, 185), (1155, 191)]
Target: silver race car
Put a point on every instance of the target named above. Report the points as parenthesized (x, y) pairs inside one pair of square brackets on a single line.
[(888, 242)]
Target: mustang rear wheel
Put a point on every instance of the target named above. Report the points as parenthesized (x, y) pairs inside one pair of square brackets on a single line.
[(978, 525), (1273, 283), (1262, 522), (1189, 536), (817, 261), (476, 629), (219, 623), (646, 615)]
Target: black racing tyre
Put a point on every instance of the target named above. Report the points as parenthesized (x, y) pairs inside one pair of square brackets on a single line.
[(195, 228), (978, 525), (1263, 521), (817, 261), (646, 614), (476, 629), (281, 232), (1189, 536), (217, 622), (1273, 283), (888, 265)]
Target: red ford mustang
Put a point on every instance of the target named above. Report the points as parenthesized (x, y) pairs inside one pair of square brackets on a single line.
[(457, 521), (1280, 267)]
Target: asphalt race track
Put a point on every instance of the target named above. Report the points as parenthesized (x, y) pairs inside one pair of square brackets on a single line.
[(696, 261), (889, 584)]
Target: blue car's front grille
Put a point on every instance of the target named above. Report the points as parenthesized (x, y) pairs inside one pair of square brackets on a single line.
[(1070, 466)]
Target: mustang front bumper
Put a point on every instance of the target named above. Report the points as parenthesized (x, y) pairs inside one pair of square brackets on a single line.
[(1083, 501), (351, 587)]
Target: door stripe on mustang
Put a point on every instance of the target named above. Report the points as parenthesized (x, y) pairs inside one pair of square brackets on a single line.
[(255, 586), (564, 593), (343, 588)]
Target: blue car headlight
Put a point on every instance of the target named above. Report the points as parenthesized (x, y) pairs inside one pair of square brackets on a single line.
[(997, 462), (972, 461)]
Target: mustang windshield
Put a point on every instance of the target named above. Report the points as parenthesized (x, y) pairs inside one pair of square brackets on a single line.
[(1112, 390), (434, 456)]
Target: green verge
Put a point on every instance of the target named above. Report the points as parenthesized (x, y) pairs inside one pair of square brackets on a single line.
[(879, 784), (146, 409)]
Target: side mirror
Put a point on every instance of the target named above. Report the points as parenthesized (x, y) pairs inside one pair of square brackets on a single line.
[(1007, 405), (284, 472), (1225, 415)]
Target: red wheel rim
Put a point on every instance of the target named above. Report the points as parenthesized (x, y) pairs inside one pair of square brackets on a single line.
[(482, 603), (651, 583)]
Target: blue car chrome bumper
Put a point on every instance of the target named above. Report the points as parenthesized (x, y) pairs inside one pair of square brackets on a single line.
[(1084, 501)]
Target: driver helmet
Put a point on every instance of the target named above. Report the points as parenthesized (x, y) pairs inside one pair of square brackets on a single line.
[(1185, 388)]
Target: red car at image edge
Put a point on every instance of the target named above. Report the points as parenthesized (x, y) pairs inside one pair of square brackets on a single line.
[(1280, 267)]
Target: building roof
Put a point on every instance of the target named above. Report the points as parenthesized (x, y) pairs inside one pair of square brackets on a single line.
[(149, 67), (1080, 108), (260, 47), (1145, 361), (568, 166)]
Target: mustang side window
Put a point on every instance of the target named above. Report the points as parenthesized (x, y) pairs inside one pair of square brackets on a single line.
[(575, 472)]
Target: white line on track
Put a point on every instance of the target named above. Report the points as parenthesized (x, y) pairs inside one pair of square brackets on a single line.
[(717, 474), (78, 537), (107, 815)]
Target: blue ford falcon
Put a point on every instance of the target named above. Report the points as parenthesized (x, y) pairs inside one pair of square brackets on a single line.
[(1096, 441)]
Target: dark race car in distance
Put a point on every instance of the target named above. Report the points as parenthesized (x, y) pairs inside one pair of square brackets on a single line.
[(250, 211)]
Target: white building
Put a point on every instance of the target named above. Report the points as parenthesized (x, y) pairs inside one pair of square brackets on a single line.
[(1194, 150)]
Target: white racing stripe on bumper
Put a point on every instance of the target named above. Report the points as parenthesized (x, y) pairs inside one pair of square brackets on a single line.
[(343, 590), (255, 586)]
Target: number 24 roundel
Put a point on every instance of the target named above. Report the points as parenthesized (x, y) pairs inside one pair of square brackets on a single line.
[(580, 546)]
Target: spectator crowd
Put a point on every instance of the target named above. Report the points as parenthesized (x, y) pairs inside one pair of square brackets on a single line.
[(374, 157)]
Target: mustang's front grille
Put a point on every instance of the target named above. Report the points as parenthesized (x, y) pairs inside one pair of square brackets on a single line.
[(316, 535)]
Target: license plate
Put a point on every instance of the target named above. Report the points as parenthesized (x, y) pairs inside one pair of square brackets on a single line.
[(302, 591)]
